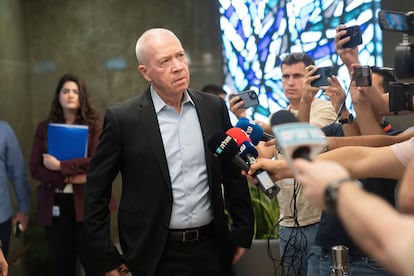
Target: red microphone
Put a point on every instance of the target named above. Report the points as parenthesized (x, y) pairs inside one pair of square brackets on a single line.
[(238, 135)]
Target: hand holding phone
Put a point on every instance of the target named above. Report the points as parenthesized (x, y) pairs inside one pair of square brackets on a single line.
[(356, 36), (249, 98), (362, 75), (17, 230), (324, 73)]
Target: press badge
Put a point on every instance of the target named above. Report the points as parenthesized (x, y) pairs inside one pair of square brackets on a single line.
[(56, 211)]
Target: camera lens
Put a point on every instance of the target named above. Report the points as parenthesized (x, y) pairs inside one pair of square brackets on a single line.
[(252, 95)]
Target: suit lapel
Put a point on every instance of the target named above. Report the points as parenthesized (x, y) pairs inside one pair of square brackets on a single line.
[(150, 128)]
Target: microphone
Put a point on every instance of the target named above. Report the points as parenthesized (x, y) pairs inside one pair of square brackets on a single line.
[(297, 139), (238, 134), (224, 147), (249, 153), (255, 131)]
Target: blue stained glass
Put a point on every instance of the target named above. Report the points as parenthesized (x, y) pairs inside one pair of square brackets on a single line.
[(270, 29)]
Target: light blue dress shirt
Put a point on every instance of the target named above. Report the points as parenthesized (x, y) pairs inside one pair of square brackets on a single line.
[(184, 149), (13, 169)]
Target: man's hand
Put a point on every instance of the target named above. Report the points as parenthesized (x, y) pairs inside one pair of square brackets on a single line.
[(335, 92), (22, 218), (347, 55), (316, 176), (309, 91), (235, 106), (277, 169), (238, 253)]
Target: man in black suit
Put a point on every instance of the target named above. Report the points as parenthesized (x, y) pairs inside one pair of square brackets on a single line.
[(172, 213)]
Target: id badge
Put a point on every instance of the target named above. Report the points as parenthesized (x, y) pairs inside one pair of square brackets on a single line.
[(56, 211)]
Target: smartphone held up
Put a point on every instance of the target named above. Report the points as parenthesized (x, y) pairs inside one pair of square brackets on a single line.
[(249, 98)]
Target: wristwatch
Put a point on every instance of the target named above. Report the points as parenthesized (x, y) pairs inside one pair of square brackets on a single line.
[(331, 193), (350, 119)]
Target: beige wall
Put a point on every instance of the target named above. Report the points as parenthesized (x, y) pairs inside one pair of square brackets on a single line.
[(43, 39)]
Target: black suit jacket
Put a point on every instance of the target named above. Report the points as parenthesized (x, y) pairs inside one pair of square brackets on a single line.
[(131, 143)]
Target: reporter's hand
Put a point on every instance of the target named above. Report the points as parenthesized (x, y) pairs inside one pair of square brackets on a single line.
[(277, 169), (315, 176), (309, 91), (335, 92), (347, 55), (235, 106), (22, 218)]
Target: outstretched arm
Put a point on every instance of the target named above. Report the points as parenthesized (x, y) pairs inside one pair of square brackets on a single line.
[(384, 233)]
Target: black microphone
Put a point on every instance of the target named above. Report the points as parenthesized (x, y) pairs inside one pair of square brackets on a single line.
[(224, 147), (296, 139), (249, 153)]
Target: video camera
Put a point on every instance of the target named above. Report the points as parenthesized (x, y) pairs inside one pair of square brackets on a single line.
[(401, 92)]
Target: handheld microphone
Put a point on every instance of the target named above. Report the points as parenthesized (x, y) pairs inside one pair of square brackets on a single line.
[(224, 147), (249, 153), (297, 139), (238, 134), (255, 131)]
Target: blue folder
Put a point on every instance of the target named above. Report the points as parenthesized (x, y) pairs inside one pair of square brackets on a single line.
[(67, 141)]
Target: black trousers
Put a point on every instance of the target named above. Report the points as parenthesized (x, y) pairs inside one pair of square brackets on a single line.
[(66, 241), (199, 258)]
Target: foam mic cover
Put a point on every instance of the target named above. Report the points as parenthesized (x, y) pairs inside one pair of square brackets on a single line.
[(296, 139), (224, 147), (254, 131), (238, 134), (247, 150), (283, 117)]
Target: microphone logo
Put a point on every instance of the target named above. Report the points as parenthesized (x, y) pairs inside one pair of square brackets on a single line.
[(223, 145), (249, 130)]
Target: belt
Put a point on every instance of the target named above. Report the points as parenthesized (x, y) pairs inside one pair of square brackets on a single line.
[(190, 234)]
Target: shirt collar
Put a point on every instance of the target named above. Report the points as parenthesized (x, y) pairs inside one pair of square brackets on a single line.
[(159, 104)]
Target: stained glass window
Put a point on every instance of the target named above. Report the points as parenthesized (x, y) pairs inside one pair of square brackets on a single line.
[(257, 34)]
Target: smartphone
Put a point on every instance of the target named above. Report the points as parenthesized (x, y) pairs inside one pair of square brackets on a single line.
[(362, 76), (17, 230), (356, 36), (249, 98), (324, 73), (394, 21)]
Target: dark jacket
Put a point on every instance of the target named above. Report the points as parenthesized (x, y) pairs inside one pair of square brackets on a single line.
[(52, 180), (131, 143)]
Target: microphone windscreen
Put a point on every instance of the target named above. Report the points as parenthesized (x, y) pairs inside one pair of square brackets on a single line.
[(252, 129), (247, 148), (283, 117), (238, 134), (223, 146)]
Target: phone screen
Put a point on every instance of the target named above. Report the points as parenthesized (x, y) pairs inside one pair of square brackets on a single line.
[(393, 21)]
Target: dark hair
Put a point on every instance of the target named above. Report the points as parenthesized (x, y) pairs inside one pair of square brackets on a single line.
[(86, 113), (295, 58), (387, 76), (213, 89)]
